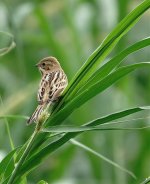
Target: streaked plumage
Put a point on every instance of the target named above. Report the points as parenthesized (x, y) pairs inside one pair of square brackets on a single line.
[(52, 84)]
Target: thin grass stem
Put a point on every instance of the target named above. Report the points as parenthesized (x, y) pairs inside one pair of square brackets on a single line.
[(23, 157), (146, 181)]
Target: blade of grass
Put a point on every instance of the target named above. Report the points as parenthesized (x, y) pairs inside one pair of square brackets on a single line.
[(23, 157), (5, 162), (66, 129), (125, 121), (117, 115), (114, 62), (86, 148), (9, 135), (42, 182), (11, 45), (8, 130), (147, 180), (14, 117)]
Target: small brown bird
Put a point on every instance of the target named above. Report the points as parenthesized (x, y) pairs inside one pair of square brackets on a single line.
[(52, 84)]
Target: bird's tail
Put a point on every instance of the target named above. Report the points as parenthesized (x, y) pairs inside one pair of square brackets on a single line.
[(35, 116)]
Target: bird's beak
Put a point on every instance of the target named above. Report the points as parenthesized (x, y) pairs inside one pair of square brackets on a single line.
[(37, 65)]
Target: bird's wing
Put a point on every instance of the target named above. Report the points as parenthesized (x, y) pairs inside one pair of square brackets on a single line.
[(57, 85), (51, 86), (44, 88)]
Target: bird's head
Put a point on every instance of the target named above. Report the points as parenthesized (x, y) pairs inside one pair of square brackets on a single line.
[(48, 64)]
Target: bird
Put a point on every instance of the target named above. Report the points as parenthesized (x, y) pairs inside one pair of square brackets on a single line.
[(52, 84)]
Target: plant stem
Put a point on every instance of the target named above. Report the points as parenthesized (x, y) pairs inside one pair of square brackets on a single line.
[(38, 128), (7, 128), (23, 157), (10, 138), (9, 135), (146, 181)]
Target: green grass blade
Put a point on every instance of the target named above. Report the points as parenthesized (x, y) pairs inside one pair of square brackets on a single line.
[(66, 129), (116, 115), (23, 157), (5, 162), (7, 40), (14, 117), (86, 148), (147, 180), (42, 182), (93, 91), (10, 137), (8, 130), (115, 61)]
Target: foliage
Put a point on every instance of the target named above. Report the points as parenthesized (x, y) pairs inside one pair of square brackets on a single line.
[(93, 78)]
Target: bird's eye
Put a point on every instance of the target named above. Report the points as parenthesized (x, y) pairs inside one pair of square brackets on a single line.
[(43, 64)]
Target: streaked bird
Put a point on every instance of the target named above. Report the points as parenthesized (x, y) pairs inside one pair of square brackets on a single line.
[(52, 84)]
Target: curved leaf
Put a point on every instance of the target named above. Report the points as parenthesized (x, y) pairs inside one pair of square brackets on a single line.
[(5, 163), (14, 117), (78, 129), (115, 61), (7, 43), (147, 180)]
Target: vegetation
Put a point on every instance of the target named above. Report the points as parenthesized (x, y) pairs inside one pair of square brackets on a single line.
[(70, 30)]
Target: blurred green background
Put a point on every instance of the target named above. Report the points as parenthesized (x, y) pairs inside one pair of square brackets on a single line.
[(70, 30)]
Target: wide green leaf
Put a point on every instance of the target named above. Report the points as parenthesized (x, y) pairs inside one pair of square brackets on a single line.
[(4, 169), (66, 129), (115, 61)]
